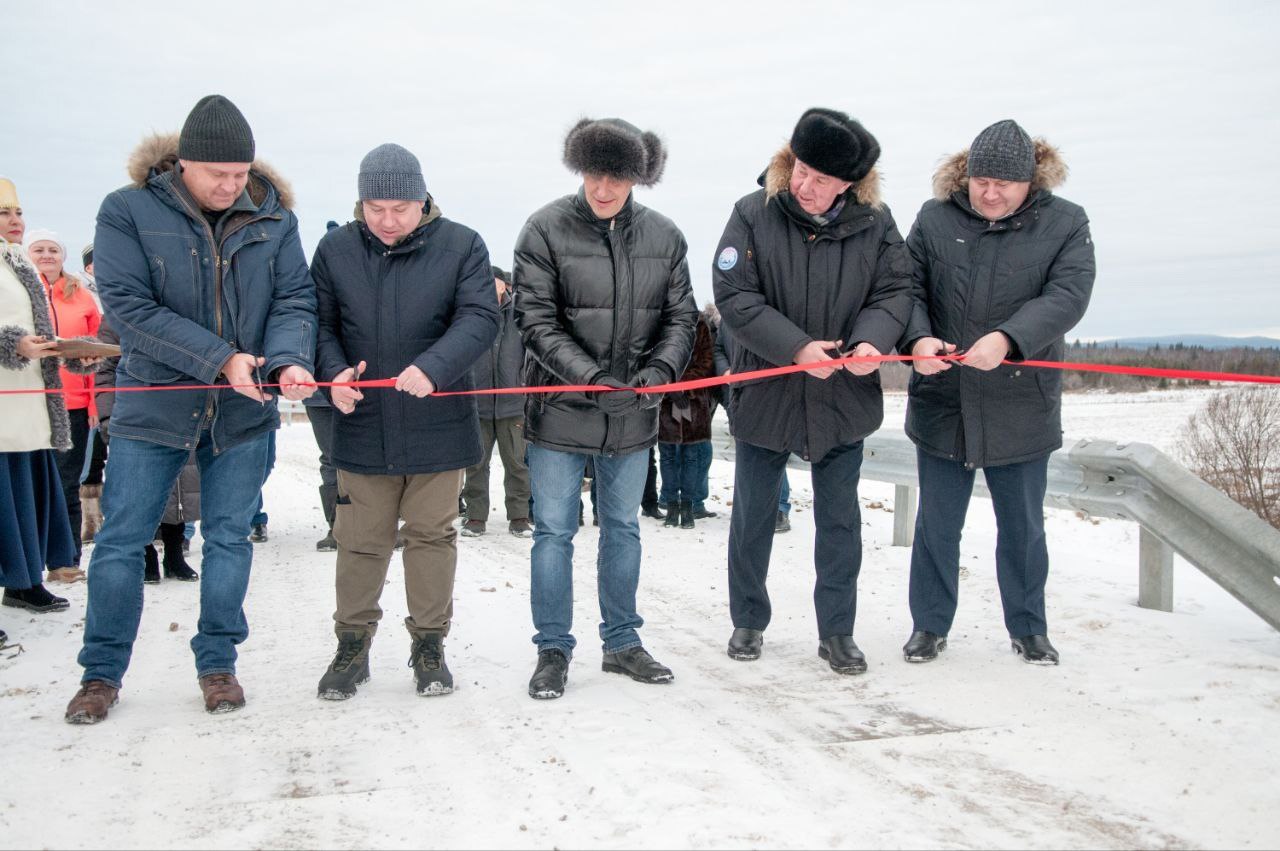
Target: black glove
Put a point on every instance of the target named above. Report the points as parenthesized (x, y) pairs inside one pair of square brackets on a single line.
[(620, 403), (650, 376)]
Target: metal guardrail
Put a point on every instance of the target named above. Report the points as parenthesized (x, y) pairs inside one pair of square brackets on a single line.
[(1177, 512)]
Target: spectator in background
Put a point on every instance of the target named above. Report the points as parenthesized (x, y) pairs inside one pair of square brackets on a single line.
[(684, 434), (74, 313), (33, 514), (501, 422), (91, 480)]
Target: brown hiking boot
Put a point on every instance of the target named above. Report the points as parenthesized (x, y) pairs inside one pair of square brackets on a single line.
[(66, 574), (91, 703), (222, 693)]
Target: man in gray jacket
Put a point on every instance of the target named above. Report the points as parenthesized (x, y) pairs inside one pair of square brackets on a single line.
[(1003, 268)]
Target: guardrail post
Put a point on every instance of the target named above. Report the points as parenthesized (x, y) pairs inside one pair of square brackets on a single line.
[(904, 515), (1155, 572)]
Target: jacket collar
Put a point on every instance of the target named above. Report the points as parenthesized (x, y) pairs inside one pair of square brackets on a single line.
[(406, 244), (624, 217)]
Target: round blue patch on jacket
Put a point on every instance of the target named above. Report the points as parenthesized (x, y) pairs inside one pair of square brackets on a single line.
[(728, 259)]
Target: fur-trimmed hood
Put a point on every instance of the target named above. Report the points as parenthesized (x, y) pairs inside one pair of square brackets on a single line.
[(953, 172), (777, 178), (159, 152)]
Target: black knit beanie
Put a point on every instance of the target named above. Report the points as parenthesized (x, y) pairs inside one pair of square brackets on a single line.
[(834, 144), (216, 132)]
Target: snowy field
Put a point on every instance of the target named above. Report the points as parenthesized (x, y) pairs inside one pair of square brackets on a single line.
[(1157, 730)]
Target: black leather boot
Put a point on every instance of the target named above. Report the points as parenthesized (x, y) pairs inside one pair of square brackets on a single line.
[(151, 568), (842, 654), (673, 515), (745, 645), (550, 676), (175, 566), (923, 646), (637, 664), (426, 657), (686, 514)]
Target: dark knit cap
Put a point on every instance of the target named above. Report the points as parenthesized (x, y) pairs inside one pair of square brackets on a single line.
[(216, 132), (1003, 151), (834, 144), (615, 148), (391, 173), (86, 255)]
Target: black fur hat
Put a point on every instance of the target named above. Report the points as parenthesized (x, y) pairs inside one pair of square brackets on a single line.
[(834, 144), (617, 148)]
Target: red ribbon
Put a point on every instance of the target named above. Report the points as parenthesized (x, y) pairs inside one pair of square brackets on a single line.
[(733, 378)]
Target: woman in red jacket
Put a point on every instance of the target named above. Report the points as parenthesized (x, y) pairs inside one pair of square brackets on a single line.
[(75, 314)]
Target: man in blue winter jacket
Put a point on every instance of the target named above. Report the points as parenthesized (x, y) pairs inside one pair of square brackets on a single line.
[(201, 272)]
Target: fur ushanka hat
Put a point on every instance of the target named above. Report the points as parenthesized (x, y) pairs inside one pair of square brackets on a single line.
[(617, 148), (834, 144)]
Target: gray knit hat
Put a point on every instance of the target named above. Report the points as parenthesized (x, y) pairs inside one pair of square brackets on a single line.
[(1003, 151), (216, 132), (390, 173)]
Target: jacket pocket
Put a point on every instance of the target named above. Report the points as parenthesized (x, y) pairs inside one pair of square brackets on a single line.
[(148, 371)]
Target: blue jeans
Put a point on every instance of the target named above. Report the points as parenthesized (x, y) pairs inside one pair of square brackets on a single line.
[(1022, 556), (139, 477), (556, 479), (259, 512), (784, 497), (684, 472)]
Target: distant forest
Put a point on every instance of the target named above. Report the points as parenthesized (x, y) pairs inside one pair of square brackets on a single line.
[(1239, 359)]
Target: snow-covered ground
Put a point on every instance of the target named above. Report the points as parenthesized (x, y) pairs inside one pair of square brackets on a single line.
[(1156, 731)]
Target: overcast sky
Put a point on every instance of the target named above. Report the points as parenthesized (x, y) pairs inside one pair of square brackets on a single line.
[(1167, 114)]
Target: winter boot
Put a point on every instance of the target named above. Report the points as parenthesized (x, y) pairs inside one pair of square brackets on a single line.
[(651, 509), (92, 702), (35, 599), (222, 693), (672, 520), (329, 504), (745, 645), (686, 514), (426, 657), (327, 544), (550, 676), (151, 573), (91, 512), (350, 666), (175, 566)]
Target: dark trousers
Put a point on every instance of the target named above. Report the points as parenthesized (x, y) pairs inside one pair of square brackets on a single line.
[(70, 466), (508, 434), (837, 559), (321, 419), (97, 459), (650, 498), (1022, 558)]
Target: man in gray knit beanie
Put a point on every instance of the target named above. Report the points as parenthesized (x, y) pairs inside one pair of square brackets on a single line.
[(403, 293)]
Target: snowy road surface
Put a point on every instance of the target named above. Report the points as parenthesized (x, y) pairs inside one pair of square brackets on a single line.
[(1158, 730)]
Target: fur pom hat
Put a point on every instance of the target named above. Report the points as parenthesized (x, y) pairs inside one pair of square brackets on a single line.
[(834, 144), (617, 148)]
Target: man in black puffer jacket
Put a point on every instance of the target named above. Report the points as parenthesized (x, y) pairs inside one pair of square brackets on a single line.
[(404, 293), (603, 298), (809, 266), (1003, 269)]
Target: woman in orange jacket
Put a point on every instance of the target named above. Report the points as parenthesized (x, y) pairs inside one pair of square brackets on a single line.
[(75, 314)]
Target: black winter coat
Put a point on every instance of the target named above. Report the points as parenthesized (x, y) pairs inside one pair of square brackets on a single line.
[(598, 298), (781, 282), (501, 366), (427, 301), (1030, 276)]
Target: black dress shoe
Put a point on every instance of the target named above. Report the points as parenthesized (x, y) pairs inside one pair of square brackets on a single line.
[(258, 534), (637, 664), (842, 655), (551, 675), (1035, 650), (923, 646), (701, 513), (745, 644)]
